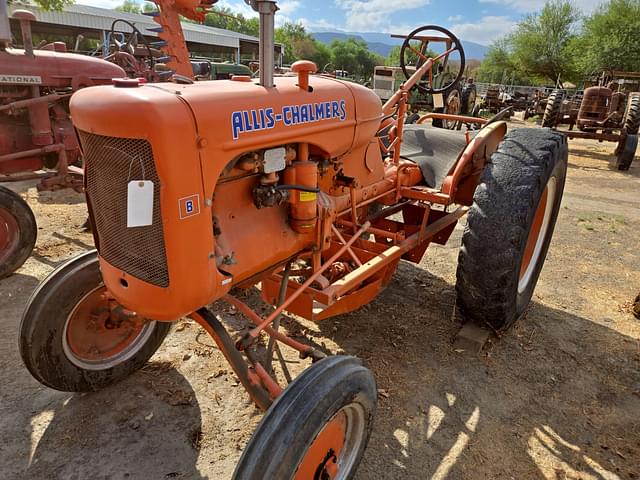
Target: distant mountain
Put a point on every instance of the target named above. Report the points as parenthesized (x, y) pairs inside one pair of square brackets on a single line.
[(382, 43)]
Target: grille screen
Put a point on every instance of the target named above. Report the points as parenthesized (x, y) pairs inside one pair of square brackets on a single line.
[(110, 163)]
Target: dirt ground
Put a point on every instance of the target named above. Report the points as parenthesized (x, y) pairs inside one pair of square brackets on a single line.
[(558, 397)]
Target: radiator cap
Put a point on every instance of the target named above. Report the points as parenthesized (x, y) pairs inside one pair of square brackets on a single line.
[(126, 82)]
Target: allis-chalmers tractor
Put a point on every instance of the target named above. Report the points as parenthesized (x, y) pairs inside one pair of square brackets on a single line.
[(308, 187), (607, 111), (35, 128)]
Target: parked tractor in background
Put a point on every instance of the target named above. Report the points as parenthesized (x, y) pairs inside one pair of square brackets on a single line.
[(37, 139), (608, 111), (309, 188), (456, 99)]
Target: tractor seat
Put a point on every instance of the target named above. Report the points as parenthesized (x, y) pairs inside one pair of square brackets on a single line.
[(434, 150)]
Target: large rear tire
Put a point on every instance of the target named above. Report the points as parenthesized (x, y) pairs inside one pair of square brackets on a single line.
[(317, 428), (18, 231), (510, 225), (553, 109), (68, 338)]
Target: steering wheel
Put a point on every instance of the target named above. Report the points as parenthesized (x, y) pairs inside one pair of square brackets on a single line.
[(129, 46), (456, 46)]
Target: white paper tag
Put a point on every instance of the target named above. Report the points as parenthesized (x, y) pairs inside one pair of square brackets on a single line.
[(438, 100), (139, 203)]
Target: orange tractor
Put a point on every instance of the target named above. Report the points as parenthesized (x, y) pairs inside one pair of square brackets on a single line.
[(307, 187)]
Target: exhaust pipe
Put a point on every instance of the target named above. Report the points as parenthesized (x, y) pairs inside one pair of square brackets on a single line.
[(267, 10)]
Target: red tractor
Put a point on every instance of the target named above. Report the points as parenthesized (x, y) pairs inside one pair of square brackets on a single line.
[(607, 111), (37, 139), (308, 188)]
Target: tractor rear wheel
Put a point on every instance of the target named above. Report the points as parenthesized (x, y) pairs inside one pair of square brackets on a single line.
[(69, 338), (318, 428), (510, 225), (468, 98), (452, 106), (553, 110), (632, 116), (18, 231)]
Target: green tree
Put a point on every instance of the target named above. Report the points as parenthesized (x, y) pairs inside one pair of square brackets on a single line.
[(353, 55), (610, 38), (542, 44), (50, 4), (129, 6)]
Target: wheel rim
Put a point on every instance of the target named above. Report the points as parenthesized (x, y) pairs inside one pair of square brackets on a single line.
[(537, 234), (9, 234), (334, 451), (92, 341), (453, 108)]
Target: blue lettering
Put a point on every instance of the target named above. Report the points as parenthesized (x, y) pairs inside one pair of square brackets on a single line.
[(295, 114), (343, 110), (247, 123), (270, 120), (236, 124), (327, 110), (254, 117), (312, 117), (304, 114), (262, 119), (334, 110), (189, 205), (319, 111), (286, 116)]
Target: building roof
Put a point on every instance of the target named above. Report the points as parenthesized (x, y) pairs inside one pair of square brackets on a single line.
[(84, 16)]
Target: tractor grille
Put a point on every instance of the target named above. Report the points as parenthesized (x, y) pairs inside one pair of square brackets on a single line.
[(110, 163)]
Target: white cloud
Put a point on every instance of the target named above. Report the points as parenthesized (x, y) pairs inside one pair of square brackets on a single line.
[(455, 18), (486, 30), (373, 15), (287, 7), (526, 6), (318, 25)]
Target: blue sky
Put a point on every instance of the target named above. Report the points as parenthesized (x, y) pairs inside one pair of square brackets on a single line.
[(480, 21)]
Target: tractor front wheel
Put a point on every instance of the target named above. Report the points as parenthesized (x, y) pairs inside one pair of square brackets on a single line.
[(626, 151), (318, 428), (510, 225), (18, 231), (70, 337)]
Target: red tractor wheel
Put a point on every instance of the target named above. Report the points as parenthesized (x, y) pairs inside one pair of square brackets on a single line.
[(18, 231), (317, 428), (72, 340)]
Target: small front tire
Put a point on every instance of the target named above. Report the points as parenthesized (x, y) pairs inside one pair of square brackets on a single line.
[(317, 428), (68, 338)]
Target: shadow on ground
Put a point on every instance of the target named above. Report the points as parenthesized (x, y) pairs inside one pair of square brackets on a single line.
[(150, 429), (556, 393)]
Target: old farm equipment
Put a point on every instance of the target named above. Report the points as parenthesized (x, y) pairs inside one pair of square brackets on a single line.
[(37, 139), (308, 186), (454, 98), (609, 111)]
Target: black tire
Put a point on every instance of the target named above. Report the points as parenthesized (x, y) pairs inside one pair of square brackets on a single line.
[(469, 93), (43, 326), (455, 91), (296, 418), (490, 288), (626, 152), (411, 118), (17, 220), (632, 116), (553, 109)]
